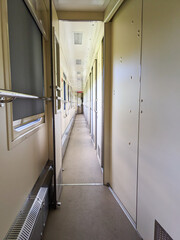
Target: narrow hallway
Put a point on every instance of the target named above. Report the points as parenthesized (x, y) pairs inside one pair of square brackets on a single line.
[(80, 162), (88, 211)]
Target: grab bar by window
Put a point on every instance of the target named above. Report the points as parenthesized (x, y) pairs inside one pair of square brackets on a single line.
[(4, 94)]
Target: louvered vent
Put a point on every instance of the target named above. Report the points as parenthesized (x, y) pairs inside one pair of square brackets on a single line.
[(19, 221), (30, 221), (30, 218), (78, 61), (77, 38), (160, 233)]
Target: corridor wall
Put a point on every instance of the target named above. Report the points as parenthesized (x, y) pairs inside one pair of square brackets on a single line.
[(93, 98), (20, 165), (159, 191), (126, 45), (144, 164), (100, 102), (69, 108), (58, 115)]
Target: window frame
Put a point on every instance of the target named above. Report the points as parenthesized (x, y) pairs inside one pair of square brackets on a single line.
[(13, 137)]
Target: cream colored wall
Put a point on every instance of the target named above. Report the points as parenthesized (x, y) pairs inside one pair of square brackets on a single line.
[(58, 115), (80, 16), (159, 161), (126, 47), (21, 166), (107, 103), (99, 102), (96, 71), (87, 102), (158, 158), (69, 113), (94, 79), (66, 120)]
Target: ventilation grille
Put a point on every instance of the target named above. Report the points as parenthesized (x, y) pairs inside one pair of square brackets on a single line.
[(78, 61), (26, 219), (160, 233), (19, 221), (77, 38), (30, 221)]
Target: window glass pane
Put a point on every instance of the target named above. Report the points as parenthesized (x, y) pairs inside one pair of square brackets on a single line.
[(26, 59)]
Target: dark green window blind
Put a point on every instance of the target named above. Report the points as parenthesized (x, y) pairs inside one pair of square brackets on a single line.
[(26, 59)]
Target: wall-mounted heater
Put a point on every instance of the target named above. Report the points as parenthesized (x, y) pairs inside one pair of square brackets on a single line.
[(30, 222)]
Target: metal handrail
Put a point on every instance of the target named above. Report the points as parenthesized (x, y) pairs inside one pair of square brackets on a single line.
[(58, 88), (13, 95), (64, 101)]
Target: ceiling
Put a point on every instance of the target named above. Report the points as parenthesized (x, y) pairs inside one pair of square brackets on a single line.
[(81, 5), (85, 35)]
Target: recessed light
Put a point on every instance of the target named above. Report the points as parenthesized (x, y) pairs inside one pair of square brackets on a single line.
[(77, 38), (78, 61)]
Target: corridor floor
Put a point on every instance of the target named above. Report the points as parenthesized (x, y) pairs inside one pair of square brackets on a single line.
[(88, 212)]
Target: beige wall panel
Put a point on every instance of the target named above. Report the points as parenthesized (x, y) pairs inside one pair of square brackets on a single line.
[(55, 21), (125, 102), (91, 107), (159, 163), (107, 102), (20, 167), (66, 120), (66, 115), (80, 16), (89, 104), (99, 103), (1, 60), (58, 118), (58, 149), (94, 102)]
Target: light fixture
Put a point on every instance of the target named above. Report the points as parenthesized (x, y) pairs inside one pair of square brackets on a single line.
[(78, 61), (78, 38)]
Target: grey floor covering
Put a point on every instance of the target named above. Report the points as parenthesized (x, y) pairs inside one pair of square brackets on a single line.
[(80, 162), (87, 212)]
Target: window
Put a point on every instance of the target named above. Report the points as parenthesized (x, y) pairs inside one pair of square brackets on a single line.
[(26, 69), (26, 59)]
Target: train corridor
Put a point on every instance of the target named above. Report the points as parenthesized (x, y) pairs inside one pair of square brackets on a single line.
[(88, 210)]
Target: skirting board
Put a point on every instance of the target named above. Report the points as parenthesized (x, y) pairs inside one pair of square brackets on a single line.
[(125, 211)]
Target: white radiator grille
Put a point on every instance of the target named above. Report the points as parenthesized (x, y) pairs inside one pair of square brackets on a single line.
[(26, 219)]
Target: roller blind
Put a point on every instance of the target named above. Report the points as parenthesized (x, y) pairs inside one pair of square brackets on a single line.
[(26, 59)]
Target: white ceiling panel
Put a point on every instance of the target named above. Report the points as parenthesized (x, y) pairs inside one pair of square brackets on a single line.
[(78, 56), (81, 5)]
